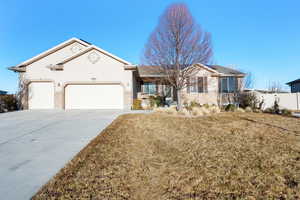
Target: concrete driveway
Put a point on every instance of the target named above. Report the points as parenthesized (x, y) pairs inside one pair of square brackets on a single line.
[(34, 145)]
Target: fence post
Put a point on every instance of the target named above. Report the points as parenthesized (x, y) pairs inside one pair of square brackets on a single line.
[(298, 100)]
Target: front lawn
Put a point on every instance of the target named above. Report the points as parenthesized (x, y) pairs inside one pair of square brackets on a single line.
[(158, 156)]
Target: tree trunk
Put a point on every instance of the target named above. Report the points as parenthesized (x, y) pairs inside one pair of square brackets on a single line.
[(179, 105)]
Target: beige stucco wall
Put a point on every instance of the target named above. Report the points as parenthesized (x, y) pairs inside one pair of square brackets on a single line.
[(81, 70), (211, 97)]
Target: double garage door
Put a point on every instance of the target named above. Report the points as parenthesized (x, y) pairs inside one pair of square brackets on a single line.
[(94, 97), (77, 96)]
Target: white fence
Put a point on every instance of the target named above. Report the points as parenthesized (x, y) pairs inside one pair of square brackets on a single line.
[(289, 101)]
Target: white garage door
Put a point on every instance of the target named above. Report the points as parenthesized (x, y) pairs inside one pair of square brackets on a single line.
[(41, 95), (94, 97)]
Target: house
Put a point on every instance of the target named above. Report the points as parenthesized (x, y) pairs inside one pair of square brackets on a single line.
[(211, 84), (2, 92), (79, 75), (295, 85)]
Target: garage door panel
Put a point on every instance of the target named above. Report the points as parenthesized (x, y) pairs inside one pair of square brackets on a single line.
[(94, 97), (41, 95)]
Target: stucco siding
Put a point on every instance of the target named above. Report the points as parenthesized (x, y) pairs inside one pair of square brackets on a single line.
[(39, 69), (106, 69), (80, 69)]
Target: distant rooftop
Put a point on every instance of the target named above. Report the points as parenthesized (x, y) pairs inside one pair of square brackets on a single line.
[(86, 41), (3, 92), (295, 81)]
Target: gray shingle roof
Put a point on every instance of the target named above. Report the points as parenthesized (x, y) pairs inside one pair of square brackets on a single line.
[(149, 71), (225, 70), (153, 71)]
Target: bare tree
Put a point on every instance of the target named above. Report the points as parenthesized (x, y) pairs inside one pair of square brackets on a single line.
[(248, 81), (275, 86), (22, 94), (176, 44)]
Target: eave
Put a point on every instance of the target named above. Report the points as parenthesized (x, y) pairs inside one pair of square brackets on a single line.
[(130, 67), (227, 75), (17, 69)]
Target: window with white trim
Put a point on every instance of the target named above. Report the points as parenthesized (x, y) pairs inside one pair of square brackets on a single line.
[(228, 84), (149, 88), (197, 85), (193, 85)]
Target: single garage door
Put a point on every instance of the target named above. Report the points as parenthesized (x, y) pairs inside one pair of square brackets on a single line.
[(102, 96), (41, 95)]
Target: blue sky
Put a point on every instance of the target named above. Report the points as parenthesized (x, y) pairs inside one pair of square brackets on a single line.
[(262, 37)]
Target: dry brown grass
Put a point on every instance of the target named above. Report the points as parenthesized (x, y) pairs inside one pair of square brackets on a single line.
[(156, 156)]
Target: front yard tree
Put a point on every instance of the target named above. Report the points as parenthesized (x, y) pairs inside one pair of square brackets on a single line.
[(176, 44)]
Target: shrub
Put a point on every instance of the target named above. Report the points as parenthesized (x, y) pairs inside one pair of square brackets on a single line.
[(8, 103), (206, 105), (269, 110), (248, 109), (276, 107), (191, 105), (137, 104), (152, 101), (240, 110), (248, 100), (286, 112), (214, 109), (257, 111), (195, 104), (230, 107), (156, 101)]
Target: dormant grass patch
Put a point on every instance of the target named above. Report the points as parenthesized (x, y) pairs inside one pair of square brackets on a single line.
[(158, 156)]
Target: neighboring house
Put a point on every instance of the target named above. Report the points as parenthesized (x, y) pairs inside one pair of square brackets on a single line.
[(78, 75), (295, 85), (2, 92)]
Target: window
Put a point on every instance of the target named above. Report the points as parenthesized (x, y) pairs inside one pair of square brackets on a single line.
[(197, 85), (149, 88), (193, 85), (228, 84)]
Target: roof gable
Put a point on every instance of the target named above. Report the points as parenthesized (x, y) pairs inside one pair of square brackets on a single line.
[(52, 50), (92, 47)]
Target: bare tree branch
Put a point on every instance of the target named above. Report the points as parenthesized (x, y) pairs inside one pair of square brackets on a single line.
[(275, 86)]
